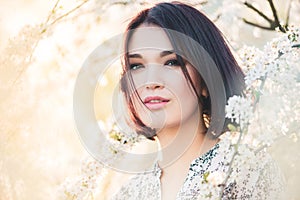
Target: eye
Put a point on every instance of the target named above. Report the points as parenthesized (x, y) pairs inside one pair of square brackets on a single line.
[(135, 66), (172, 62)]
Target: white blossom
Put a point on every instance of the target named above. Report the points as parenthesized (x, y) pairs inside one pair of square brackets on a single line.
[(216, 178), (239, 110), (85, 184), (209, 192), (257, 73), (248, 57)]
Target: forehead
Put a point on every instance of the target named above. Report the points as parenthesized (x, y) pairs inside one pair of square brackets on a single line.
[(149, 38)]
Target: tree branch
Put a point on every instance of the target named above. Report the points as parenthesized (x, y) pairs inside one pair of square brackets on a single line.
[(217, 18), (288, 14), (257, 11), (44, 27), (67, 13), (52, 11), (257, 25), (230, 165), (200, 3), (276, 22)]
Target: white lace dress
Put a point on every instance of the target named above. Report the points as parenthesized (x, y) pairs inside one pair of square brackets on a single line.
[(254, 176)]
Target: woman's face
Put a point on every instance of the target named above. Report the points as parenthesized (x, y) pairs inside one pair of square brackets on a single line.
[(167, 97)]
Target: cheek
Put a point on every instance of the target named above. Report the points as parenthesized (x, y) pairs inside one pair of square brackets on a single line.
[(196, 78), (142, 112), (187, 99), (185, 96)]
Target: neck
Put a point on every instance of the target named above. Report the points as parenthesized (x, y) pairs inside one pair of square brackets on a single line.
[(186, 131), (184, 142)]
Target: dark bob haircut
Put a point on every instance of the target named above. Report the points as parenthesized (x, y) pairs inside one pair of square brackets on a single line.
[(186, 20)]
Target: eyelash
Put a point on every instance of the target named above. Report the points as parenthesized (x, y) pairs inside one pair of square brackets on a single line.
[(171, 62), (135, 66)]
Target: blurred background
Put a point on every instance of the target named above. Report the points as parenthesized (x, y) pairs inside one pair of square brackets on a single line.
[(43, 46)]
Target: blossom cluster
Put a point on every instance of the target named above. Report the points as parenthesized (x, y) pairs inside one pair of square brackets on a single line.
[(84, 185), (239, 110), (272, 76), (87, 184)]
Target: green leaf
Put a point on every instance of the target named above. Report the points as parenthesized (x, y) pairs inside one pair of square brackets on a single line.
[(231, 127), (205, 175)]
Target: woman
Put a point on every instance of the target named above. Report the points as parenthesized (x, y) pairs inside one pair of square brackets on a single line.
[(178, 74)]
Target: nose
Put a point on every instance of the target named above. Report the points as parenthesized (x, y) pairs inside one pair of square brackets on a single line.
[(153, 78), (154, 86)]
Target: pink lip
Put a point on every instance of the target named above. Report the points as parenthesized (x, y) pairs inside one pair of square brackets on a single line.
[(155, 105)]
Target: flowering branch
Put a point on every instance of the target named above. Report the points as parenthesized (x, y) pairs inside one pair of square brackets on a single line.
[(30, 37), (52, 11), (268, 65), (68, 13), (230, 168)]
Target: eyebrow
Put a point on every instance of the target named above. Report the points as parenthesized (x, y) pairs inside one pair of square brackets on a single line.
[(162, 54)]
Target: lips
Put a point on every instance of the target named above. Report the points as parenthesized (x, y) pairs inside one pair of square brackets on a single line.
[(155, 102)]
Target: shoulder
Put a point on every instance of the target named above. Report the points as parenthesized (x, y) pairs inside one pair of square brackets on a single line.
[(255, 174), (238, 172)]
